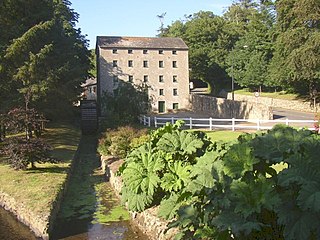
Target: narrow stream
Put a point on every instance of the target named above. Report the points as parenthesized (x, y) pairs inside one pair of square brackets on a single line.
[(12, 229), (90, 209)]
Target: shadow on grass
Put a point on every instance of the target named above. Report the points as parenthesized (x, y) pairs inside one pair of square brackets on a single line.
[(53, 169)]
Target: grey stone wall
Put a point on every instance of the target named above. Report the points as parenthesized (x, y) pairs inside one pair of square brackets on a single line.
[(297, 105), (147, 221), (224, 108)]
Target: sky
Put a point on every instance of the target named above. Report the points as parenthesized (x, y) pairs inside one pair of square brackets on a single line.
[(136, 17)]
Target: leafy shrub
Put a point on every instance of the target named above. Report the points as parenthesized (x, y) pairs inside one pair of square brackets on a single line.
[(117, 142), (159, 167), (223, 191), (21, 152), (242, 196)]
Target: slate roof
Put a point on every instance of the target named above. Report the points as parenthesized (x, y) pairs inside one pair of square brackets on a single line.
[(141, 42)]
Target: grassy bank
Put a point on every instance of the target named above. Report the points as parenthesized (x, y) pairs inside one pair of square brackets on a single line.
[(278, 95), (37, 188)]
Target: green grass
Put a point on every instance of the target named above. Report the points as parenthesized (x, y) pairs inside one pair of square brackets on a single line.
[(223, 135), (37, 188), (279, 95)]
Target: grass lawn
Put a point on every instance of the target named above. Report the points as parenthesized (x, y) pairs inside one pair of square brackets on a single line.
[(279, 95), (223, 135), (37, 188)]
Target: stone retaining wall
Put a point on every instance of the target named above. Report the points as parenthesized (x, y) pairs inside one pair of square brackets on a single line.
[(224, 108), (40, 225), (147, 221), (277, 103)]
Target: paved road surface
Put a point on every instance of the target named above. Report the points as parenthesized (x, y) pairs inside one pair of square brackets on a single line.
[(280, 113)]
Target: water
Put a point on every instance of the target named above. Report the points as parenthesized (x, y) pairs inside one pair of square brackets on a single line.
[(89, 211), (12, 229)]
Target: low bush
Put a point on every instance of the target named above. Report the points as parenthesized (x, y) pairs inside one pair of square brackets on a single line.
[(21, 152), (118, 142)]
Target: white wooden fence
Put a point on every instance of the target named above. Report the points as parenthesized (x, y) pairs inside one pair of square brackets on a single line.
[(233, 124)]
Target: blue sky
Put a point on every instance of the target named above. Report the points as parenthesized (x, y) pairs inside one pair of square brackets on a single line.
[(136, 17)]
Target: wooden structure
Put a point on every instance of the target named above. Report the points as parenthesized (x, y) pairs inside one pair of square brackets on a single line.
[(89, 119)]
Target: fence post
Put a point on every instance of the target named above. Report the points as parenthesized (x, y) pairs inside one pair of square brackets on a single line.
[(233, 124), (258, 124), (287, 121), (155, 122), (144, 120), (190, 121), (210, 123), (149, 121), (172, 120)]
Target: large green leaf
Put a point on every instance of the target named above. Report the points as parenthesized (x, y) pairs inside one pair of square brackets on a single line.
[(180, 141), (252, 197), (235, 223), (177, 177), (202, 172), (280, 142), (297, 224), (238, 160), (169, 207), (136, 201)]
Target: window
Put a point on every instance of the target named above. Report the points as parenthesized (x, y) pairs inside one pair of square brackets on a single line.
[(175, 78), (115, 81), (145, 78), (174, 64), (130, 63), (145, 51), (145, 64), (160, 51), (130, 79), (115, 63), (161, 106), (161, 78), (114, 51), (130, 51), (161, 92), (175, 106), (174, 52), (175, 92), (160, 64)]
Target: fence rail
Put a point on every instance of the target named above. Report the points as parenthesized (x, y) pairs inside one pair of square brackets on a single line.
[(233, 124)]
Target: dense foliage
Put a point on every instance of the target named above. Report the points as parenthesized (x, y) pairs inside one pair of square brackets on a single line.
[(265, 186), (21, 152), (43, 58), (25, 149), (261, 44), (125, 104), (118, 142)]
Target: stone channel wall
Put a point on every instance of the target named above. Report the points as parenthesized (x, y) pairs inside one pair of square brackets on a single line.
[(147, 221), (41, 225), (225, 108), (297, 105)]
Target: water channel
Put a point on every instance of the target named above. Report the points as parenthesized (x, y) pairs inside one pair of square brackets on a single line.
[(90, 209)]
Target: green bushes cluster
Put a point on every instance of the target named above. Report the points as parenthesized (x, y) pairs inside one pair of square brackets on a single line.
[(119, 141), (222, 191)]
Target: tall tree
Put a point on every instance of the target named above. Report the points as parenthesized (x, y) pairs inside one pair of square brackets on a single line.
[(209, 38), (249, 59), (45, 59), (296, 62)]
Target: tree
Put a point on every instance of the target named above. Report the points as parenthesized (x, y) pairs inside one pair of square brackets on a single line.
[(45, 60), (296, 61), (249, 59), (208, 37)]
